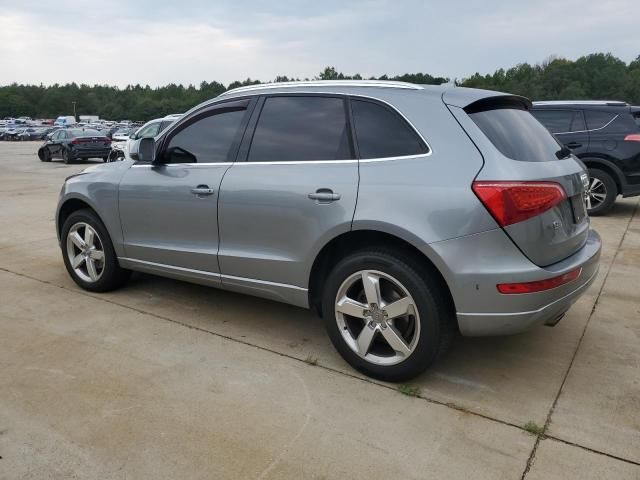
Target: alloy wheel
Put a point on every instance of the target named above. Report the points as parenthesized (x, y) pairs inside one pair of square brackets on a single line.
[(377, 317), (596, 193), (85, 252)]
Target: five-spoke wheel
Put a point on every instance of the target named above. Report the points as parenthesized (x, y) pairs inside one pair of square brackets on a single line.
[(388, 315), (88, 253), (85, 252), (377, 317)]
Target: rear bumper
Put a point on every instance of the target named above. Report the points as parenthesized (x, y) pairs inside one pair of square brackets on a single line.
[(90, 152), (483, 311)]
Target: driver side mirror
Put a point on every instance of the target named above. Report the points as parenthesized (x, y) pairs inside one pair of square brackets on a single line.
[(147, 150), (132, 136)]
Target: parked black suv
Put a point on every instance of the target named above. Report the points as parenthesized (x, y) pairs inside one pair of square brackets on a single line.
[(606, 137)]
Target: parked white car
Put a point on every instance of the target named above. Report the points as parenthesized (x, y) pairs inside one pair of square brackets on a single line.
[(150, 129)]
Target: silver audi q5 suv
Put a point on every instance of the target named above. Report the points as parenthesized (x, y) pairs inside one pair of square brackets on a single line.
[(401, 213)]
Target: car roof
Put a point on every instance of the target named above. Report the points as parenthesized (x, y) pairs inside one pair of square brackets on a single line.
[(449, 93)]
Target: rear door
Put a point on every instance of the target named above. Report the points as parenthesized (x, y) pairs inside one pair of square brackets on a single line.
[(520, 149), (568, 126), (168, 210), (295, 190)]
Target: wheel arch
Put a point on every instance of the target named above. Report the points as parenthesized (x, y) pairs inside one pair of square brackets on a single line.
[(70, 205), (609, 167), (354, 240)]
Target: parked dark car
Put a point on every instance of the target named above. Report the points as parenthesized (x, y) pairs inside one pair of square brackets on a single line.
[(11, 133), (605, 135), (31, 133), (75, 144)]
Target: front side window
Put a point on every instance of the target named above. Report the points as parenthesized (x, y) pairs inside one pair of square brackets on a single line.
[(556, 121), (382, 133), (300, 128), (149, 131), (207, 140)]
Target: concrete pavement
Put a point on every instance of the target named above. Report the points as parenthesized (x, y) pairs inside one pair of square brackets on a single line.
[(164, 379)]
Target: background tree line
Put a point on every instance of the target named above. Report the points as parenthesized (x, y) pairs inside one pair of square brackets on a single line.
[(595, 76)]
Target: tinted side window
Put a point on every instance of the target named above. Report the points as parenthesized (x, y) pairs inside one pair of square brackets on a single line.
[(301, 129), (556, 121), (517, 135), (636, 117), (597, 119), (149, 130), (207, 140), (383, 133)]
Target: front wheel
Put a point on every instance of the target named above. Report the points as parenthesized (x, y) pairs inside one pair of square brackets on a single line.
[(601, 193), (45, 155), (89, 255), (387, 319), (66, 157)]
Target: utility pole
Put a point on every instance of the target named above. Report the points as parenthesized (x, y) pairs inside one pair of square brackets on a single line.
[(74, 111)]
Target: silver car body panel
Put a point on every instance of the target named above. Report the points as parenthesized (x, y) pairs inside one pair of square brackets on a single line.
[(260, 233)]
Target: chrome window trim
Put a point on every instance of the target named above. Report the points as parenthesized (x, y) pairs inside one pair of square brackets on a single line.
[(591, 130), (212, 274), (319, 92), (315, 83), (296, 162)]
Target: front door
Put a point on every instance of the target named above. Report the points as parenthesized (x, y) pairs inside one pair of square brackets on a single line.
[(168, 210), (296, 190)]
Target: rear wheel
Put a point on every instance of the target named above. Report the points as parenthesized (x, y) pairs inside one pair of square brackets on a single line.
[(387, 319), (89, 255), (66, 157), (602, 192)]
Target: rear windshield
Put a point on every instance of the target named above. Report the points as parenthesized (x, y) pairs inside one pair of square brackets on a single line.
[(83, 132), (517, 134), (636, 117)]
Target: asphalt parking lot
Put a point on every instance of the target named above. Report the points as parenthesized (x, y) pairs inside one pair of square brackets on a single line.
[(170, 380)]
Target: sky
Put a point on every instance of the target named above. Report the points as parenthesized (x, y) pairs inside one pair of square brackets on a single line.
[(156, 43)]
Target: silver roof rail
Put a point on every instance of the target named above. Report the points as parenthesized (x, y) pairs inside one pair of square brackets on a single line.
[(616, 103), (327, 83)]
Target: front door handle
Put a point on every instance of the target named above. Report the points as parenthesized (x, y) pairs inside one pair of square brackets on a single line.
[(202, 190), (573, 145), (324, 195)]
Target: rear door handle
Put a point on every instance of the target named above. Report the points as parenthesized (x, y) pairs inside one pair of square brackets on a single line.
[(573, 145), (202, 190), (324, 195)]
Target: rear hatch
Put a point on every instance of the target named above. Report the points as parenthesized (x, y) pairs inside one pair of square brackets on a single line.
[(533, 187)]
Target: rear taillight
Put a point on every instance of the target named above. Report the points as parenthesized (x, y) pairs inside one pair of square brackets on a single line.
[(633, 137), (513, 202), (539, 285)]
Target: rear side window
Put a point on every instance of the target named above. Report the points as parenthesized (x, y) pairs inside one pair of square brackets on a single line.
[(516, 134), (597, 119), (300, 128), (383, 133)]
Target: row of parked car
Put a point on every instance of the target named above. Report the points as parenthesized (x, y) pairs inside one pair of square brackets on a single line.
[(84, 142)]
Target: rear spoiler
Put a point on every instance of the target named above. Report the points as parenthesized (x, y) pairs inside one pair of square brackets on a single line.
[(476, 100)]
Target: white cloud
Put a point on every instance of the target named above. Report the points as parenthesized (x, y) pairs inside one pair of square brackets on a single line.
[(154, 43)]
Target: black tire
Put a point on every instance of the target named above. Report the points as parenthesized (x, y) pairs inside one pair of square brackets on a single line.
[(436, 314), (113, 276), (105, 159), (610, 188), (45, 155), (66, 157)]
